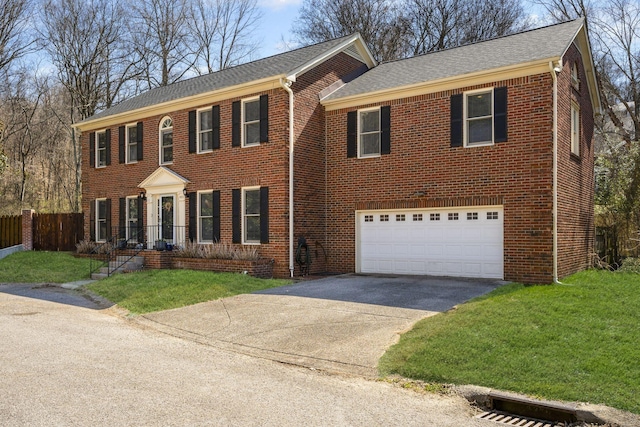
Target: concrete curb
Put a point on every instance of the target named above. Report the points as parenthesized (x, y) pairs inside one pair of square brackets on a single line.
[(585, 412)]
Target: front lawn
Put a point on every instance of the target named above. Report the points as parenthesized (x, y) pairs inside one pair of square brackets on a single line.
[(156, 290), (579, 341), (43, 267)]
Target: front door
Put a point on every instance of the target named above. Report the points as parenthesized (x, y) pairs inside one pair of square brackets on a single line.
[(166, 218)]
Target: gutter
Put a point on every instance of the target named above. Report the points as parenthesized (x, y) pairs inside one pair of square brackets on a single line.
[(286, 85), (555, 68)]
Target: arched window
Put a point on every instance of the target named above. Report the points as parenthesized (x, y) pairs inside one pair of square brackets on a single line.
[(166, 141)]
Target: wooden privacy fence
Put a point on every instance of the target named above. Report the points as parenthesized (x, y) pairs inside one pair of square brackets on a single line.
[(10, 231), (57, 232)]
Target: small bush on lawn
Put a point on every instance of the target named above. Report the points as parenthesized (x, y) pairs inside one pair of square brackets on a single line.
[(630, 265)]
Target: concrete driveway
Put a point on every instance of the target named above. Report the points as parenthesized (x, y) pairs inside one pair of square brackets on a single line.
[(341, 323)]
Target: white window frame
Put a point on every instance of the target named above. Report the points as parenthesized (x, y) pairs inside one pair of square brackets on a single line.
[(575, 129), (129, 234), (98, 149), (378, 132), (246, 241), (162, 130), (465, 97), (200, 216), (128, 143), (243, 133), (99, 238), (199, 131)]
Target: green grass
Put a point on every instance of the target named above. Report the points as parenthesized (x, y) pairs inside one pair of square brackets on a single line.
[(576, 342), (156, 290), (43, 267)]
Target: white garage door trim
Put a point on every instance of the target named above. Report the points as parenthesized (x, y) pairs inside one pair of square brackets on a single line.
[(459, 242)]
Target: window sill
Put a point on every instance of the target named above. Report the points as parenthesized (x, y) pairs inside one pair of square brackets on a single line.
[(479, 144), (131, 163), (370, 156), (257, 144), (575, 157), (204, 151)]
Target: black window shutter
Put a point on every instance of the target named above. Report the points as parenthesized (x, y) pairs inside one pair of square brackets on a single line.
[(235, 124), (192, 131), (385, 128), (264, 118), (264, 214), (215, 121), (236, 216), (121, 147), (108, 210), (193, 207), (92, 149), (139, 141), (457, 119), (140, 219), (92, 221), (216, 216), (500, 114), (108, 145), (122, 223), (352, 134)]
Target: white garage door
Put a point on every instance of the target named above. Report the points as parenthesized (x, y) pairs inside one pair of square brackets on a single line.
[(461, 242)]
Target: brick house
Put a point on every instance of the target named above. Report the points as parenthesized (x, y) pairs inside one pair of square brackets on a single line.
[(475, 161)]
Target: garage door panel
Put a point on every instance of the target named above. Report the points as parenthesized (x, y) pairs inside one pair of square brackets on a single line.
[(464, 242)]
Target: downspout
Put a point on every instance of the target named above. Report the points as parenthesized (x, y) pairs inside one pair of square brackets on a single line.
[(286, 85), (554, 70)]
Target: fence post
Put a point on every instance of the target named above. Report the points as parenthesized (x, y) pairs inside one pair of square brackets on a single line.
[(27, 229)]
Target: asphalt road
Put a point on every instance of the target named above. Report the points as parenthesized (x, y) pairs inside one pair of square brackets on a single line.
[(65, 360)]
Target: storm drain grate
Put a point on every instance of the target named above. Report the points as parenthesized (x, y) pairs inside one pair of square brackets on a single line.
[(515, 420)]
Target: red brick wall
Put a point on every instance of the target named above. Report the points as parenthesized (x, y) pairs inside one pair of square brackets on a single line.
[(223, 169), (516, 173), (575, 173), (230, 167), (309, 163)]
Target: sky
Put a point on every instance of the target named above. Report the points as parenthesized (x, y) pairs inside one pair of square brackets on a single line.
[(278, 16)]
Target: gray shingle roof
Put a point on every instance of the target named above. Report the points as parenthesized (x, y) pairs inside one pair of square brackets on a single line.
[(533, 45), (283, 63)]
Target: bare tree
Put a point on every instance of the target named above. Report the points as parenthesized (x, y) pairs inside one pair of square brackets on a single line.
[(379, 22), (82, 40), (14, 37), (162, 40), (442, 24), (223, 32)]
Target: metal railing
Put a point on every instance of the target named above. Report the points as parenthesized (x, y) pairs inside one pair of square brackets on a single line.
[(152, 237)]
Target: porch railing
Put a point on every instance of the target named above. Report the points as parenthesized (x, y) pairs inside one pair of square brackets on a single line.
[(130, 241)]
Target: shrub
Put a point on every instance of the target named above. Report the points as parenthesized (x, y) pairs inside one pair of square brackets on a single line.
[(85, 246), (218, 251), (630, 265)]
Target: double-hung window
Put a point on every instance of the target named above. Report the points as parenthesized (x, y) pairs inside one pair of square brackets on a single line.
[(575, 129), (101, 220), (479, 117), (101, 149), (251, 122), (205, 217), (166, 141), (205, 130), (251, 215), (369, 133), (131, 133)]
